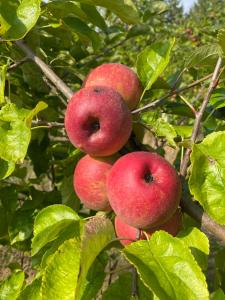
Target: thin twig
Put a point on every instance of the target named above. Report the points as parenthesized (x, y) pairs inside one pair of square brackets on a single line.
[(59, 84), (48, 124), (199, 115), (17, 63), (169, 94)]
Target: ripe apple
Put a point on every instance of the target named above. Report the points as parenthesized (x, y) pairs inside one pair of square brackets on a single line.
[(90, 181), (98, 121), (144, 190), (119, 77), (123, 230)]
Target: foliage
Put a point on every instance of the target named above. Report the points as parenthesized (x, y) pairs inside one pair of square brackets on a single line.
[(72, 248)]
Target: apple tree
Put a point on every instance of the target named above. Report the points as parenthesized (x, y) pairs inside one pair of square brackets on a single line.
[(174, 137)]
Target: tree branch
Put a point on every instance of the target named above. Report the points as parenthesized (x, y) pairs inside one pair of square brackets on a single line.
[(48, 124), (199, 115), (60, 85), (169, 94), (197, 213)]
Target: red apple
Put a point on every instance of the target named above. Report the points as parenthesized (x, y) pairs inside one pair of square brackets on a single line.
[(123, 230), (98, 121), (90, 181), (144, 190), (119, 77)]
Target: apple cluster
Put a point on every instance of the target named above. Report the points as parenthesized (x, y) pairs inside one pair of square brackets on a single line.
[(142, 188)]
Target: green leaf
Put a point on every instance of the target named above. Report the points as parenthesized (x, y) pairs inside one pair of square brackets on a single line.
[(183, 130), (39, 107), (21, 226), (61, 9), (69, 197), (83, 31), (221, 39), (3, 71), (203, 56), (50, 223), (121, 289), (207, 182), (6, 168), (168, 268), (218, 98), (136, 30), (15, 134), (11, 286), (198, 243), (98, 233), (152, 61), (60, 276), (160, 127), (218, 295), (94, 16), (31, 291), (16, 20), (125, 9), (95, 277), (3, 223)]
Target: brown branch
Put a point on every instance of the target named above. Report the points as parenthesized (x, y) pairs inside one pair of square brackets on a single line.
[(48, 124), (199, 115), (197, 213), (59, 84), (169, 94)]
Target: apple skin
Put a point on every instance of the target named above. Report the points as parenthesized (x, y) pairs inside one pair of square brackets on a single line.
[(90, 181), (144, 190), (98, 121), (123, 230), (119, 77)]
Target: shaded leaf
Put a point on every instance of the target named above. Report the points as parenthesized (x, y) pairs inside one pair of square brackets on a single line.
[(122, 287), (16, 20), (31, 291), (94, 16), (125, 9), (21, 226), (218, 98), (83, 31), (6, 168), (69, 196)]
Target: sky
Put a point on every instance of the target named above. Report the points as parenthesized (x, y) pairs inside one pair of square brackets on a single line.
[(187, 4)]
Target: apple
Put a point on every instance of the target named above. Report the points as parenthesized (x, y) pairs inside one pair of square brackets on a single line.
[(123, 230), (90, 181), (119, 77), (144, 190), (98, 121)]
